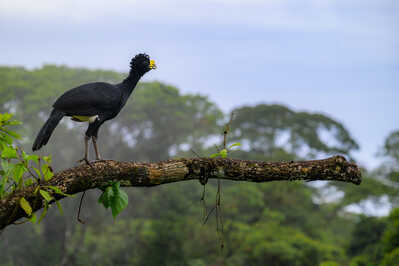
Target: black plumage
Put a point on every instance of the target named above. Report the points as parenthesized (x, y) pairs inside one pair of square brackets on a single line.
[(95, 103)]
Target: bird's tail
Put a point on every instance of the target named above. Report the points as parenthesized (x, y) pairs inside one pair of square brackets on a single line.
[(48, 128)]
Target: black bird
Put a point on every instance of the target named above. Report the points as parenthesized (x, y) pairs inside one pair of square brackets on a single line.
[(94, 103)]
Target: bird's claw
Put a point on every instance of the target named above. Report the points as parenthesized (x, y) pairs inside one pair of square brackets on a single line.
[(86, 161)]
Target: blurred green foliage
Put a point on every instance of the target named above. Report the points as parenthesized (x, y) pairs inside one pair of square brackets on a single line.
[(276, 224)]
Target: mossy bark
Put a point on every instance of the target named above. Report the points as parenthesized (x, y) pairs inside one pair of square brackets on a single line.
[(85, 177)]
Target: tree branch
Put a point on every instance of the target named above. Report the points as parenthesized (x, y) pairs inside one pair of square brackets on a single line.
[(84, 177)]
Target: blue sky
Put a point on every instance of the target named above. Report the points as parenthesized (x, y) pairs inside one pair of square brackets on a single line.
[(338, 57)]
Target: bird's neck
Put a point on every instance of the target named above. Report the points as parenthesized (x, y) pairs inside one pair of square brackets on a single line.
[(130, 83)]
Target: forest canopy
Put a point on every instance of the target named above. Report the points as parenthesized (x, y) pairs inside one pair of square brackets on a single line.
[(281, 223)]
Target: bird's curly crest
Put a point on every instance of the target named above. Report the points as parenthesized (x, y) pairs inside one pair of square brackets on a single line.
[(139, 58)]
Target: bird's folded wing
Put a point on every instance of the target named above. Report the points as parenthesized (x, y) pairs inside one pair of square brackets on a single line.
[(90, 99)]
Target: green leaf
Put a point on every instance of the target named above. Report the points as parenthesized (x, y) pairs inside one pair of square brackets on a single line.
[(36, 190), (106, 197), (59, 206), (2, 192), (45, 195), (47, 172), (20, 184), (44, 212), (47, 159), (6, 167), (28, 182), (57, 190), (32, 157), (119, 200), (115, 198), (18, 172), (33, 218), (223, 153), (116, 187), (12, 133), (3, 182), (9, 152), (7, 139), (37, 172), (14, 123), (25, 206), (214, 155), (119, 203), (5, 117), (235, 145)]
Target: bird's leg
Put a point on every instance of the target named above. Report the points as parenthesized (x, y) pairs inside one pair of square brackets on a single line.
[(98, 156), (85, 159)]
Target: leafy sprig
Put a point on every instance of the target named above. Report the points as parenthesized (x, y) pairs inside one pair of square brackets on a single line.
[(19, 170), (224, 152), (114, 197)]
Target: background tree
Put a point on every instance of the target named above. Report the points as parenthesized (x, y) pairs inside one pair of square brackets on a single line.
[(163, 225)]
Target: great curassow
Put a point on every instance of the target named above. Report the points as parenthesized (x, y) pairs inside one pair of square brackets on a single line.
[(94, 103)]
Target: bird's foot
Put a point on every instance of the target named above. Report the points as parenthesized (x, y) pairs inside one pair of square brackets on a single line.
[(86, 161)]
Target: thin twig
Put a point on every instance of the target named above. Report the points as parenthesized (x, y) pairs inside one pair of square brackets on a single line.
[(218, 209), (209, 214), (203, 203), (80, 206)]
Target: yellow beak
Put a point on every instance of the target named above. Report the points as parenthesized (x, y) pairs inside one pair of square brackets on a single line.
[(152, 64)]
